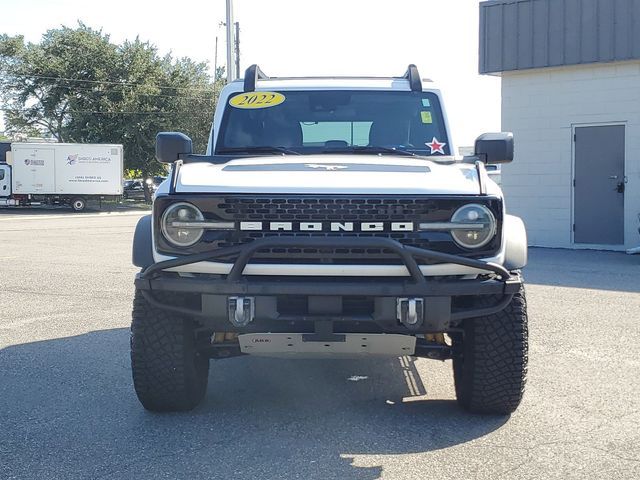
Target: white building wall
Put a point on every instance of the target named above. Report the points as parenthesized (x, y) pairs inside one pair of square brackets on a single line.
[(541, 108)]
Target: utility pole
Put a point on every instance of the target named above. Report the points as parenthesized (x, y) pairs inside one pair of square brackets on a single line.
[(229, 25), (237, 49), (215, 63)]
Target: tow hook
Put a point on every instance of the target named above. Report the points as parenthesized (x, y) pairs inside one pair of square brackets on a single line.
[(410, 311), (242, 310)]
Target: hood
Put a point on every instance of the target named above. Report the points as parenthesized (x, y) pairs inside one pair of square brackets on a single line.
[(331, 174)]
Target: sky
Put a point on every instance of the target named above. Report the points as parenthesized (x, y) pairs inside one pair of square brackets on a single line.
[(302, 37)]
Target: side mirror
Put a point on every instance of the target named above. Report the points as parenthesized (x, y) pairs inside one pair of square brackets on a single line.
[(170, 145), (495, 147)]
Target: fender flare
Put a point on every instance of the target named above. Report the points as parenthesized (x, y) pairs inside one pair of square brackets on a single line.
[(142, 254), (515, 239)]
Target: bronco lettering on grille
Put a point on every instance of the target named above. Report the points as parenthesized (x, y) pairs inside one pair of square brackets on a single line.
[(328, 226)]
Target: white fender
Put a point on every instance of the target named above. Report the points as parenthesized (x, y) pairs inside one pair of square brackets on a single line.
[(515, 238)]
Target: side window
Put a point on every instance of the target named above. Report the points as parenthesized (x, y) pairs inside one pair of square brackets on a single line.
[(2, 174)]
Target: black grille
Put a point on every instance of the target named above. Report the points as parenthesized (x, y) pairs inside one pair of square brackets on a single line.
[(327, 209)]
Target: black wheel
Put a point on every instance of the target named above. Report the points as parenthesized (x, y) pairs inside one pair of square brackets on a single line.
[(78, 204), (168, 372), (490, 361)]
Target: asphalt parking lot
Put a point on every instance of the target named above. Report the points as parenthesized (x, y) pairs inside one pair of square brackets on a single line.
[(68, 410)]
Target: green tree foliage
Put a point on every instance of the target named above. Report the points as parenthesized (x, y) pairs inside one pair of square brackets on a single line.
[(78, 86)]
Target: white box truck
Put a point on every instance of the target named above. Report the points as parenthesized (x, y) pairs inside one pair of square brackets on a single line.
[(60, 174)]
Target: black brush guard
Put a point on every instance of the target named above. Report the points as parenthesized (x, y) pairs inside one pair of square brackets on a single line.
[(502, 284)]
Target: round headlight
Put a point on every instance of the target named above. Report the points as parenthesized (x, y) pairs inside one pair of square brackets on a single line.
[(480, 226), (179, 224)]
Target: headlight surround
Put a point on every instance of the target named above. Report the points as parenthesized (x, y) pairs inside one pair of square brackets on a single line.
[(473, 214), (182, 236)]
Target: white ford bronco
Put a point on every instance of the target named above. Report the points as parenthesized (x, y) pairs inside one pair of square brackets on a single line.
[(330, 217)]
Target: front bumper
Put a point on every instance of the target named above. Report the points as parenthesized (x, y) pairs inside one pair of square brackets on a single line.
[(447, 301)]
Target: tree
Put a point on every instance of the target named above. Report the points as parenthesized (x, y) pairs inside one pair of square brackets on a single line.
[(80, 87)]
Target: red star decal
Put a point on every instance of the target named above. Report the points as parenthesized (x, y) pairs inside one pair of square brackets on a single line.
[(436, 146)]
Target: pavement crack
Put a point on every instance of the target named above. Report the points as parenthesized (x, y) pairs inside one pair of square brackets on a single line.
[(610, 452), (507, 473)]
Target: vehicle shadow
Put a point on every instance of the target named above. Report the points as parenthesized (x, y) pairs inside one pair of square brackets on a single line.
[(69, 411)]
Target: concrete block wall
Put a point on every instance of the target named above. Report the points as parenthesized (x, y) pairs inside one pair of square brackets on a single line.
[(541, 107)]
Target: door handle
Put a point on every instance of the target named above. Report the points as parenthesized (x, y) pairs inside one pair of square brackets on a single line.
[(613, 177)]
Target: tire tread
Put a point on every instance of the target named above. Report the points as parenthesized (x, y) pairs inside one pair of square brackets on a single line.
[(168, 373), (491, 375)]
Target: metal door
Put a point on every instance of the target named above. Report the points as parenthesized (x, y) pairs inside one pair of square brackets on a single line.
[(33, 170), (599, 184)]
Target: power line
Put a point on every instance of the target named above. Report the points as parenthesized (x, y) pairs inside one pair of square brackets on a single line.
[(126, 93), (106, 82), (79, 112)]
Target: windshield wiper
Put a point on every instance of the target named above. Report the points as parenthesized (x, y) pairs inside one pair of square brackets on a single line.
[(369, 149), (260, 149)]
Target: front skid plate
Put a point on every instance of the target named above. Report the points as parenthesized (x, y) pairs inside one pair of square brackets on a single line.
[(354, 345)]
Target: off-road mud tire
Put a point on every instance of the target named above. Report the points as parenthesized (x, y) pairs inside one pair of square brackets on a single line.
[(168, 372), (490, 362)]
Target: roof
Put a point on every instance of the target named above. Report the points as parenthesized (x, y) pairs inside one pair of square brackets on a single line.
[(527, 34)]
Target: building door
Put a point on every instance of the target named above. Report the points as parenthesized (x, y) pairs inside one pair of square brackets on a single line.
[(599, 184)]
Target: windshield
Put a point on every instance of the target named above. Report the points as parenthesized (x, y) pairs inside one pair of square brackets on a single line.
[(307, 122)]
